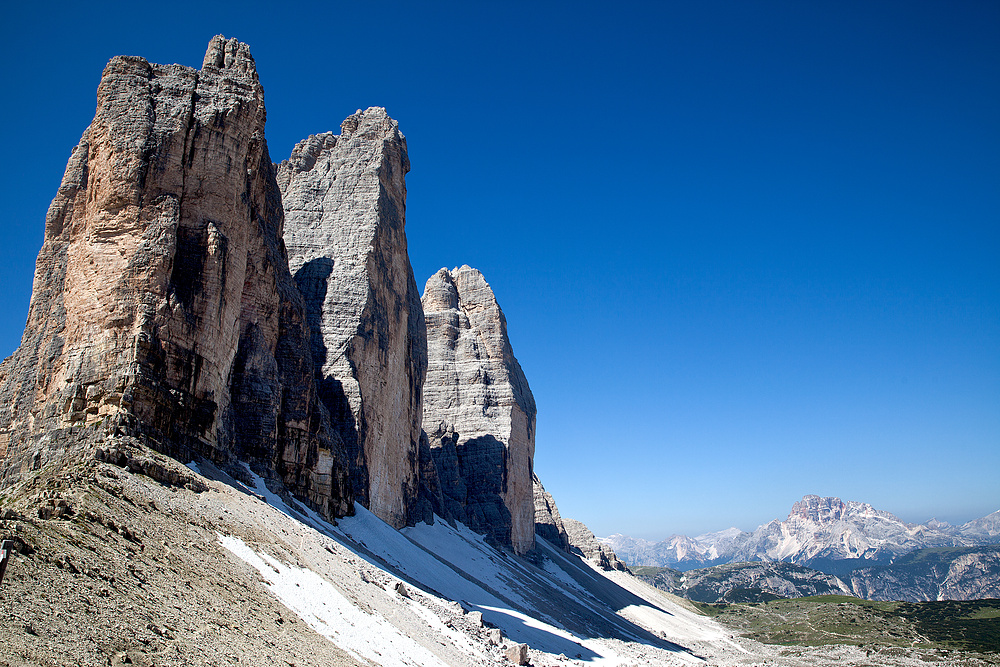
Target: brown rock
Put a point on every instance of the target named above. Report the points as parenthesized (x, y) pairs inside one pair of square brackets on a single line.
[(162, 304), (517, 654)]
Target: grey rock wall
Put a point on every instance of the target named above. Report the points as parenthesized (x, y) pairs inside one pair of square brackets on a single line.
[(162, 303), (479, 414), (345, 200)]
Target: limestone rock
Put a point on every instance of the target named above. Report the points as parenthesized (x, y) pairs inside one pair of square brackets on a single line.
[(548, 523), (584, 542), (479, 414), (517, 654), (345, 198), (162, 304)]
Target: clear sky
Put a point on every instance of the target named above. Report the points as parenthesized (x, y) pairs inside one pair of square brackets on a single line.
[(747, 250)]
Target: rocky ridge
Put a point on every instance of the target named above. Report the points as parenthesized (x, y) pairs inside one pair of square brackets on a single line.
[(970, 573), (583, 542), (548, 523), (743, 582)]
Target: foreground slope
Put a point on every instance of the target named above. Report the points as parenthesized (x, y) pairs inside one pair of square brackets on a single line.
[(124, 552)]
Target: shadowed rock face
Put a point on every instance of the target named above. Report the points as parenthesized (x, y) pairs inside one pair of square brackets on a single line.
[(345, 200), (479, 414), (548, 522), (162, 303)]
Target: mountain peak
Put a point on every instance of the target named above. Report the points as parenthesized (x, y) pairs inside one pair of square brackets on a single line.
[(230, 54)]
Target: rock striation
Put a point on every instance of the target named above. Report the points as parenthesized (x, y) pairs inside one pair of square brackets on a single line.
[(162, 304), (345, 200), (479, 414)]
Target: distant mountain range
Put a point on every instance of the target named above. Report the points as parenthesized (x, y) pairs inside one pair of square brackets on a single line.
[(826, 534), (943, 573), (743, 582)]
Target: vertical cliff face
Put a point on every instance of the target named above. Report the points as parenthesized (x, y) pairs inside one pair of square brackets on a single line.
[(345, 199), (162, 304), (479, 414)]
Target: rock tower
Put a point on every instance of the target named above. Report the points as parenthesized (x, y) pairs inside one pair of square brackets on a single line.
[(345, 203), (479, 414), (162, 303)]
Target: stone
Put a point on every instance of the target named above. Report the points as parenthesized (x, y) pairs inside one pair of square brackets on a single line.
[(345, 200), (479, 414), (162, 304), (517, 654), (6, 551), (548, 523)]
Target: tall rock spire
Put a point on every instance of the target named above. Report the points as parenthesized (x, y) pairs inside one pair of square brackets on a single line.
[(479, 414), (162, 304), (345, 201)]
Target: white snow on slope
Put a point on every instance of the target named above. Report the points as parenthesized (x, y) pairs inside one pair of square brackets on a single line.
[(340, 579), (331, 614)]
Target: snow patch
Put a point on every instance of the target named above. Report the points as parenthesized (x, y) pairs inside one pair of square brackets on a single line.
[(328, 612)]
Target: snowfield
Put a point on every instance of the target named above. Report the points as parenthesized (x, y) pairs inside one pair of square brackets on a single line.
[(441, 595)]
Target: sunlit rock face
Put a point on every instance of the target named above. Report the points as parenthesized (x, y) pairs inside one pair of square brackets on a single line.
[(345, 200), (479, 414), (162, 304)]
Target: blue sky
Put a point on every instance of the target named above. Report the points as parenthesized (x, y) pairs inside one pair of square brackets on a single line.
[(747, 250)]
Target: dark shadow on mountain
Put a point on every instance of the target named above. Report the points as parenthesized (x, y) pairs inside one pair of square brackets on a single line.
[(313, 281), (482, 466)]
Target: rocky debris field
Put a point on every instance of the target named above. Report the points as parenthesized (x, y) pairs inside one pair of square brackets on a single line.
[(115, 568)]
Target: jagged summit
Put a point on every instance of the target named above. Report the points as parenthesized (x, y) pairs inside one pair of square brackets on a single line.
[(822, 532), (230, 54)]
